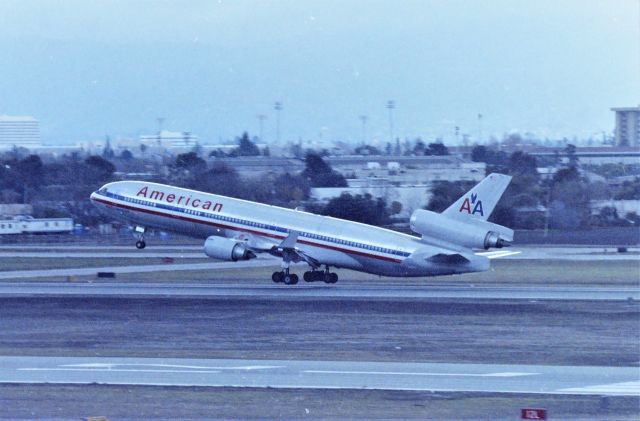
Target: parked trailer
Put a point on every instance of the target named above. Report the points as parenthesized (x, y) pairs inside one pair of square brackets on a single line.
[(25, 225), (10, 226)]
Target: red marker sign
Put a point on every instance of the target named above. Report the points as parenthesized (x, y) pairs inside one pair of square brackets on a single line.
[(533, 414)]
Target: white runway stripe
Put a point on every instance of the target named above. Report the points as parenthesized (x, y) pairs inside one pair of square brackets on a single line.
[(624, 388)]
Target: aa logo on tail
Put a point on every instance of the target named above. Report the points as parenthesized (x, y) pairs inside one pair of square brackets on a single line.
[(472, 206)]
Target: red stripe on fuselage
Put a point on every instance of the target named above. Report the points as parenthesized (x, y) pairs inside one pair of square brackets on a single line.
[(250, 231)]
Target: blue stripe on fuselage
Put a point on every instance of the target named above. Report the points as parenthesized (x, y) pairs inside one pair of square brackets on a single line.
[(252, 225)]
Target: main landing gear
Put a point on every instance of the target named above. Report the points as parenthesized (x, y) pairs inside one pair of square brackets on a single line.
[(309, 276), (285, 277), (140, 244)]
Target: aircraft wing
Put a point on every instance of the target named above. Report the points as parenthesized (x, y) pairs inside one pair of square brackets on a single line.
[(286, 249), (290, 253)]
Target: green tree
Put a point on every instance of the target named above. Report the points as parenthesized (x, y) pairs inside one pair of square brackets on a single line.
[(98, 170), (246, 147), (419, 148), (187, 170), (320, 174), (437, 148), (630, 190), (445, 193), (569, 206), (290, 190), (221, 179), (126, 155), (359, 208), (490, 156)]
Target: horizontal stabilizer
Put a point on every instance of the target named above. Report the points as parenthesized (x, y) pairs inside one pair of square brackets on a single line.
[(498, 254), (448, 259)]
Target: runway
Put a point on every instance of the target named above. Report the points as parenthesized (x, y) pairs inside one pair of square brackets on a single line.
[(43, 273), (622, 381), (310, 291), (351, 291)]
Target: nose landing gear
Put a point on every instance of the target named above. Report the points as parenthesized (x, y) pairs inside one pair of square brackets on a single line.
[(140, 244)]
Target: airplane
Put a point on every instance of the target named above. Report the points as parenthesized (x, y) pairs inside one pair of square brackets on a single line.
[(236, 230)]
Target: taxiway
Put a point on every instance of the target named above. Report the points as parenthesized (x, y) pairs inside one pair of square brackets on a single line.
[(323, 375)]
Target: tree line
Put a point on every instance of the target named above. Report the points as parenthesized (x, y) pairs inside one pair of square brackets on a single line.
[(61, 186)]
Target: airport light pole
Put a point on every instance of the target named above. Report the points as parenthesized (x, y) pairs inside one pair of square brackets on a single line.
[(278, 107), (390, 106), (363, 119), (261, 119), (160, 120), (480, 128)]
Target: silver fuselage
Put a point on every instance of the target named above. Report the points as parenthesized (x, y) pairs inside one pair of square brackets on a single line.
[(331, 241)]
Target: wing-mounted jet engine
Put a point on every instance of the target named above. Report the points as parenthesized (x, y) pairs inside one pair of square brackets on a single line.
[(227, 249)]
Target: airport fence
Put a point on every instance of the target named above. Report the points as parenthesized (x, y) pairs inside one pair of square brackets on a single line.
[(611, 236)]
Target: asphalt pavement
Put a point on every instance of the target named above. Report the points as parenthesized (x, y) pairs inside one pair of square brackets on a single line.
[(309, 291), (323, 375)]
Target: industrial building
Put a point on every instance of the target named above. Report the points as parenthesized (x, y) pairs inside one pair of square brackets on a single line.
[(19, 131), (627, 130)]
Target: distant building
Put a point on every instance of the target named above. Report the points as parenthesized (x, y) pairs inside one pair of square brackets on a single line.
[(627, 130), (259, 166), (407, 170), (170, 140), (19, 131), (403, 179), (598, 155)]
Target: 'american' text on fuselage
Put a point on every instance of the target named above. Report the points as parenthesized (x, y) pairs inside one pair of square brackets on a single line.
[(179, 200)]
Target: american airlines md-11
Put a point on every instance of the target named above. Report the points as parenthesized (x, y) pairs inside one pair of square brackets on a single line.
[(236, 229)]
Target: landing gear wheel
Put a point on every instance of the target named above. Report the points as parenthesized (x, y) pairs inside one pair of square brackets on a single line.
[(330, 278), (333, 278), (140, 244), (277, 277), (290, 279), (310, 276)]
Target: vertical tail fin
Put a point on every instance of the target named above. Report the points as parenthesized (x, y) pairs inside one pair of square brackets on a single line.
[(480, 201)]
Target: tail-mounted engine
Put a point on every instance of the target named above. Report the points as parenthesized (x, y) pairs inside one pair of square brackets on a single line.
[(475, 234), (227, 249)]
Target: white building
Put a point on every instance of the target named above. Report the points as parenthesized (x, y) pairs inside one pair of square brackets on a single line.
[(19, 131), (170, 140), (627, 131)]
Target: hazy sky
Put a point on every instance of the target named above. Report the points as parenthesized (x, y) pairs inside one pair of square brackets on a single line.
[(86, 69)]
